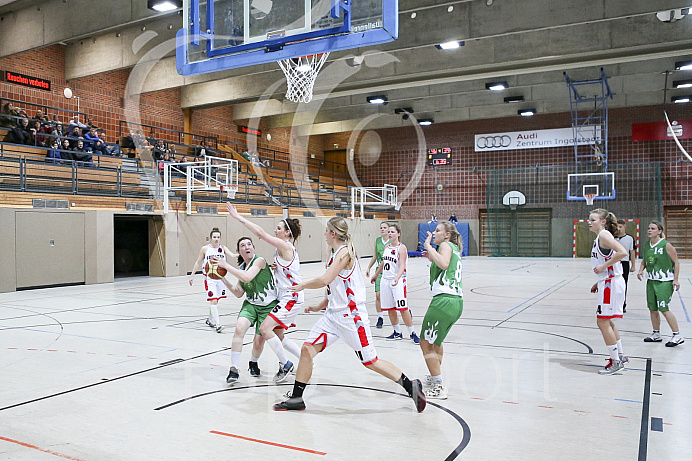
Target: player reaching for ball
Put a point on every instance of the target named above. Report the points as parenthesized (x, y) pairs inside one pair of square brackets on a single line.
[(286, 276), (256, 282), (345, 317), (215, 288)]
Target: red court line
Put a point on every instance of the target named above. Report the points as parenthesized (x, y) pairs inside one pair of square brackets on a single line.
[(544, 406), (269, 443), (39, 449)]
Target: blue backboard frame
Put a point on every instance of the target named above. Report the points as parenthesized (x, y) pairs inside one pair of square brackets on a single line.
[(309, 43)]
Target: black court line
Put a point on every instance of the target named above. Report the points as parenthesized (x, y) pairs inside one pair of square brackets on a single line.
[(644, 430), (453, 455), (163, 365)]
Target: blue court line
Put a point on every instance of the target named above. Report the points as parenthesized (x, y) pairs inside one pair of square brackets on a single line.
[(626, 400), (519, 305), (687, 316)]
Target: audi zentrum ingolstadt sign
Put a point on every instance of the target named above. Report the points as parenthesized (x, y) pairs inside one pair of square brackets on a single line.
[(535, 139)]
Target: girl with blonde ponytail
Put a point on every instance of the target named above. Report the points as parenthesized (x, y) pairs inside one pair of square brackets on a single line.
[(345, 318), (610, 286)]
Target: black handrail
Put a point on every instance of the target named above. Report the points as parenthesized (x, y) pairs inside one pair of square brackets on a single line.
[(42, 106)]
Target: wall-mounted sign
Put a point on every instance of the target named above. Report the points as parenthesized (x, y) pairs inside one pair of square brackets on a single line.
[(439, 156), (535, 139), (660, 131), (25, 80), (248, 130)]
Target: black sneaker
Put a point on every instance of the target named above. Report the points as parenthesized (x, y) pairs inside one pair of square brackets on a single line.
[(254, 369), (233, 375), (418, 395), (292, 404)]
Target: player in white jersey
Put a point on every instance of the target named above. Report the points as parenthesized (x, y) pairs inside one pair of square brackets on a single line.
[(393, 284), (345, 318), (605, 262), (286, 275), (215, 288)]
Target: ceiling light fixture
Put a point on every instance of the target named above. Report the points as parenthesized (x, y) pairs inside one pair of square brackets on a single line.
[(496, 86), (512, 99), (682, 84), (680, 99), (381, 99), (526, 112), (683, 65), (164, 5), (451, 45), (426, 122)]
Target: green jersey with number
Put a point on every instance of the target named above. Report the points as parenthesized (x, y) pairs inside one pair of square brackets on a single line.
[(657, 263), (447, 281), (379, 249), (261, 290)]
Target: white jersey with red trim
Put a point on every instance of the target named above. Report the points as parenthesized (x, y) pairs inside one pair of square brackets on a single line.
[(390, 262), (598, 257), (286, 275), (347, 290), (212, 252)]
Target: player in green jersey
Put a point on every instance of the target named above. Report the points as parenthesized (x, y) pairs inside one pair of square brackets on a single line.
[(380, 243), (662, 270), (447, 302), (256, 282)]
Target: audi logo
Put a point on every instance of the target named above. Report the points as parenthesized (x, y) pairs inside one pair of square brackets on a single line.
[(488, 142)]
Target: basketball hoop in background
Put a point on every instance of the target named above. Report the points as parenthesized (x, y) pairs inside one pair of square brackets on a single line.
[(589, 198), (301, 74), (513, 198), (230, 191)]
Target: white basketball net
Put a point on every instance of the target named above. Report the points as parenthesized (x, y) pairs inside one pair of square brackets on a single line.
[(589, 198), (301, 74)]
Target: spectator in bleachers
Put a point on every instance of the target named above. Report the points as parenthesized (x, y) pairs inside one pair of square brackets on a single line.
[(151, 139), (96, 144), (201, 150), (171, 151), (66, 153), (53, 153), (40, 117), (113, 149), (80, 154), (129, 141), (159, 150), (57, 132), (7, 119), (76, 123), (21, 134), (91, 124), (40, 139), (166, 159), (73, 135)]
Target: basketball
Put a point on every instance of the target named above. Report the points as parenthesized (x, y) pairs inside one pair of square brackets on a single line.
[(213, 271)]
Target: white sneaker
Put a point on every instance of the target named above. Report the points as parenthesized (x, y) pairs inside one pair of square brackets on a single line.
[(219, 328), (675, 340), (654, 338), (624, 359), (613, 366), (437, 392), (428, 381)]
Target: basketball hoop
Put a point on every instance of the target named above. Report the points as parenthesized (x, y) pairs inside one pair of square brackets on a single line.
[(301, 74), (589, 198), (230, 191)]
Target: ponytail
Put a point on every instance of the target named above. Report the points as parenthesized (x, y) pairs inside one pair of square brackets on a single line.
[(339, 226), (660, 227), (454, 236), (611, 222)]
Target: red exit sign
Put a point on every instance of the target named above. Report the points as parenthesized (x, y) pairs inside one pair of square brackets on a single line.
[(26, 80)]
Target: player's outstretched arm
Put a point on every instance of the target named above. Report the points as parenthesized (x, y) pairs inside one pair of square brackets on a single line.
[(259, 231), (319, 307), (341, 260)]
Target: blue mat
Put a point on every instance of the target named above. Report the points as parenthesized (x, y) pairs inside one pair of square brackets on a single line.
[(430, 226)]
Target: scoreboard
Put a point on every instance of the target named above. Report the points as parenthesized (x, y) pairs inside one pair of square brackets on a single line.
[(439, 156)]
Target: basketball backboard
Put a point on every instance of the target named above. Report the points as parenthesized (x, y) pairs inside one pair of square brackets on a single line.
[(227, 34), (600, 184)]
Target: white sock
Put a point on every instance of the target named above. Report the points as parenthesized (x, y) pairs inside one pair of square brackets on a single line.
[(613, 351), (214, 314), (411, 330), (396, 328), (379, 314), (235, 358), (290, 346), (619, 344), (275, 344), (438, 380), (253, 358)]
